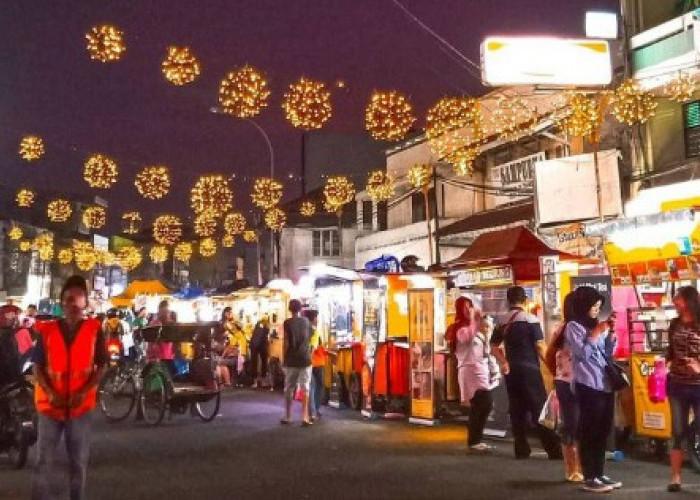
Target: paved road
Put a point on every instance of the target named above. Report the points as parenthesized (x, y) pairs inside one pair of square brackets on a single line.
[(246, 454)]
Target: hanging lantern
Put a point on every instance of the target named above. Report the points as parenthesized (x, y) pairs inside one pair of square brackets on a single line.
[(183, 251), (462, 160), (129, 258), (632, 105), (207, 247), (167, 229), (59, 210), (25, 246), (338, 192), (180, 66), (211, 193), (250, 236), (131, 222), (419, 176), (153, 182), (234, 223), (31, 147), (244, 93), (95, 217), (275, 219), (511, 118), (85, 256), (681, 90), (266, 193), (307, 104), (389, 116), (380, 186), (452, 124), (307, 208), (15, 233), (159, 254), (228, 241), (25, 198), (205, 224), (44, 246), (105, 43), (65, 256), (580, 117), (100, 171)]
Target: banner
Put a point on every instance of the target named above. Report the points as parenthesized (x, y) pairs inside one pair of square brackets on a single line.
[(651, 419), (421, 328)]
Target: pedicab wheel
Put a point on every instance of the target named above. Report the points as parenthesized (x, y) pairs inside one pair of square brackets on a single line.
[(17, 453), (695, 451), (117, 396), (354, 391), (153, 398), (208, 408)]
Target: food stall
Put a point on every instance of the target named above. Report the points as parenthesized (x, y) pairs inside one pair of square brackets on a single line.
[(142, 293)]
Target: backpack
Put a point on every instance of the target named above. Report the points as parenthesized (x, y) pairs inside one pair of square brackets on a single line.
[(10, 360)]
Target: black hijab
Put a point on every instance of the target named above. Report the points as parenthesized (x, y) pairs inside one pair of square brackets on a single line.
[(584, 298)]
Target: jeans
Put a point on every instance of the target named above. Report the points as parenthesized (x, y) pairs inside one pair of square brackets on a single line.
[(568, 412), (683, 398), (481, 406), (526, 397), (77, 438), (595, 423), (316, 391)]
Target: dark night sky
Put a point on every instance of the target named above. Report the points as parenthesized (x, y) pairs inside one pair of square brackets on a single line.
[(50, 87)]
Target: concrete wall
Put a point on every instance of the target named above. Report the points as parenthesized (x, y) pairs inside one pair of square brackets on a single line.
[(296, 250)]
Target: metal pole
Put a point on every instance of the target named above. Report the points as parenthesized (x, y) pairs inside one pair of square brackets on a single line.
[(436, 218), (427, 220), (269, 146)]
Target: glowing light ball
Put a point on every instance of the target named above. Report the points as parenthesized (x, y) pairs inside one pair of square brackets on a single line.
[(250, 236), (131, 222), (389, 116), (183, 251), (244, 92), (419, 176), (15, 233), (380, 186), (211, 193), (207, 247), (25, 198), (234, 223), (307, 104), (580, 118), (153, 182), (631, 104), (462, 160), (228, 241), (338, 192), (512, 117), (167, 229), (95, 217), (681, 90), (31, 147), (266, 193), (453, 123), (44, 246), (25, 246), (100, 171), (59, 210), (275, 219), (85, 256), (105, 43), (129, 258), (307, 208), (180, 66), (158, 254), (205, 224), (65, 256)]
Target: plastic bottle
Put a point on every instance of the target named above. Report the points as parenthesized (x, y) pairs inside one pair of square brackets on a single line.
[(615, 456), (656, 382)]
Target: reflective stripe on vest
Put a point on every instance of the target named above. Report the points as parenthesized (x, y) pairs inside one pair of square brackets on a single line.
[(68, 370)]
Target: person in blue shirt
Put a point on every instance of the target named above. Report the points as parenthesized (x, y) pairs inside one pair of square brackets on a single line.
[(592, 343)]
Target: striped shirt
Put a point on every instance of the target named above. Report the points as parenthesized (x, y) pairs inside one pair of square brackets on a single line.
[(684, 352)]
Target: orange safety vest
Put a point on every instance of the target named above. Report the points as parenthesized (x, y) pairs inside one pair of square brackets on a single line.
[(68, 370)]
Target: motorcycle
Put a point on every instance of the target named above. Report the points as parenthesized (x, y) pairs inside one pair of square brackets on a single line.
[(18, 425)]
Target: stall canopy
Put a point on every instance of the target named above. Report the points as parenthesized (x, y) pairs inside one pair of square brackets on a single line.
[(517, 247), (139, 287)]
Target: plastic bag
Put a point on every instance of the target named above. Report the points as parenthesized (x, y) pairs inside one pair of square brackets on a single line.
[(550, 411)]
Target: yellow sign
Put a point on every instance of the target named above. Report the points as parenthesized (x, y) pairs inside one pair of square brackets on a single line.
[(650, 419)]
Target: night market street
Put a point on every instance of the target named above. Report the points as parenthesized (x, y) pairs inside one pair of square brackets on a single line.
[(245, 453)]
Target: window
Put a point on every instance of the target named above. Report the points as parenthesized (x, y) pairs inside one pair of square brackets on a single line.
[(367, 214), (691, 127), (418, 205), (325, 243)]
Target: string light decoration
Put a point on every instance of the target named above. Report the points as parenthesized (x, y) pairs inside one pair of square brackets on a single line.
[(25, 246), (275, 219), (234, 223), (105, 43), (632, 105), (512, 117), (95, 217), (44, 246), (207, 247), (65, 256), (158, 254), (243, 93), (250, 236), (453, 124), (153, 182), (681, 89), (100, 171), (180, 66), (266, 193), (211, 193), (183, 251), (307, 104), (228, 241), (389, 116), (131, 222), (580, 118), (31, 147), (338, 192), (167, 229), (129, 258), (205, 224), (380, 186), (15, 233), (419, 176), (25, 198), (462, 160), (59, 210), (107, 258), (307, 208), (85, 256)]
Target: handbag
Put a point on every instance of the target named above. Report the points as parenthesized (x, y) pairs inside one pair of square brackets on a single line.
[(616, 375), (550, 411)]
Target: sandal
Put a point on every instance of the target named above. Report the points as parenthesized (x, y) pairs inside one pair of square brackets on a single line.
[(307, 423)]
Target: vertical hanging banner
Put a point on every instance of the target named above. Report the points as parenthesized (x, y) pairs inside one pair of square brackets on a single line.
[(421, 328)]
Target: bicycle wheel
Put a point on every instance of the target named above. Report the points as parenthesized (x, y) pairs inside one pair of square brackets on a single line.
[(153, 398), (117, 395), (208, 409)]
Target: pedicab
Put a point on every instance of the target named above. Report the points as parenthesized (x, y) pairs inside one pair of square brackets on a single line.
[(177, 386)]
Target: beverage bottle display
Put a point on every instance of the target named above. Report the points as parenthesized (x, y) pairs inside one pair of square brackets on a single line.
[(657, 381)]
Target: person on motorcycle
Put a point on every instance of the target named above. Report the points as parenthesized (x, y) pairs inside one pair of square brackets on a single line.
[(10, 357), (69, 360)]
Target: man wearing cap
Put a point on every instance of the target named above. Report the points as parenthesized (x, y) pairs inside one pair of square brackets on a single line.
[(69, 359)]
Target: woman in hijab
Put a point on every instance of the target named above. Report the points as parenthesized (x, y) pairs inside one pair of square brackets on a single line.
[(591, 343)]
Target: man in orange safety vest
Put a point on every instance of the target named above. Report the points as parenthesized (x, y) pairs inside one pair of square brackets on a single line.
[(69, 359)]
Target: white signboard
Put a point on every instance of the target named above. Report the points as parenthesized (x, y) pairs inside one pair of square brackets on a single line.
[(545, 61), (566, 188), (517, 175)]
